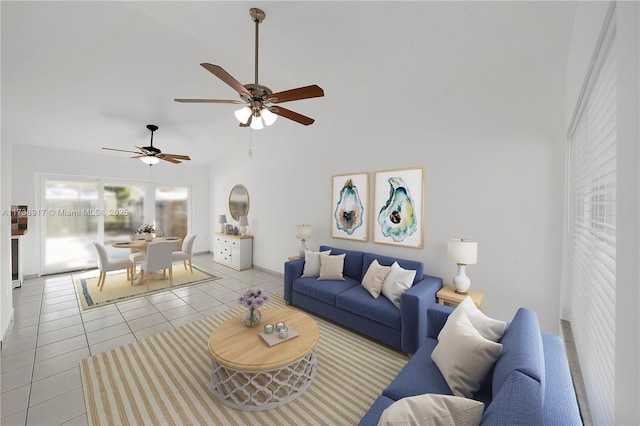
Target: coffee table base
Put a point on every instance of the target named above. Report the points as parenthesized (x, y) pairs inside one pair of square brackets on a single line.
[(263, 390)]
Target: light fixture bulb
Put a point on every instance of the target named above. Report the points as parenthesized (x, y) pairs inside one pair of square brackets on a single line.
[(256, 123), (268, 117), (243, 114), (150, 160)]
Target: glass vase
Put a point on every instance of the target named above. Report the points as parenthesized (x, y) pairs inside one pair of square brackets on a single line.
[(252, 317)]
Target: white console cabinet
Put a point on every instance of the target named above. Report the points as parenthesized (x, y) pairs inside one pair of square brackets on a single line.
[(234, 251)]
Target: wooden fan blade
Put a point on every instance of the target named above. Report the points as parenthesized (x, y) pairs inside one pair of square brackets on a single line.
[(227, 78), (208, 101), (306, 92), (122, 150), (139, 156), (291, 115), (175, 156), (171, 160)]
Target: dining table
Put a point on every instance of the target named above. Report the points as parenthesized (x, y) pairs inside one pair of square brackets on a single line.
[(139, 245)]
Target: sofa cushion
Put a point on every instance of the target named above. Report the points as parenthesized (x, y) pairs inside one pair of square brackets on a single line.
[(374, 277), (433, 410), (397, 282), (312, 263), (521, 350), (381, 310), (463, 356), (352, 262), (413, 265), (331, 267), (489, 328), (324, 291), (518, 402), (420, 375)]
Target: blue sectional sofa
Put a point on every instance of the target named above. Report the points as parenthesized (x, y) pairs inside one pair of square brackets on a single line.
[(530, 383), (348, 303)]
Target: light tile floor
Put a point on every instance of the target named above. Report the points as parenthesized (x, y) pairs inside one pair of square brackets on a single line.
[(50, 335)]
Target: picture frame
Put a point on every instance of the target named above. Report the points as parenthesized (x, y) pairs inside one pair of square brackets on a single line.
[(398, 213), (350, 206)]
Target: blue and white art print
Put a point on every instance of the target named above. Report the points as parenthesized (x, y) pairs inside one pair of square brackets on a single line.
[(349, 206), (398, 207)]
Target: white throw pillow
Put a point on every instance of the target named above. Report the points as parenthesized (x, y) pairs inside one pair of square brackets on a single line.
[(312, 263), (397, 282), (331, 267), (463, 356), (488, 328), (374, 277), (433, 410)]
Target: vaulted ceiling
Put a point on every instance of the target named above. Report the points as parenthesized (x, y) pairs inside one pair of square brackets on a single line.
[(83, 75)]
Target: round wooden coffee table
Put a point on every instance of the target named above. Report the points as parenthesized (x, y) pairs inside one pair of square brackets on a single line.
[(249, 375)]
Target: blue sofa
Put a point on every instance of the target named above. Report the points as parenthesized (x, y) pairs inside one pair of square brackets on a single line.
[(530, 383), (348, 303)]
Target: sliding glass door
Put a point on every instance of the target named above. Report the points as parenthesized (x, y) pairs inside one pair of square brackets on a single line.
[(79, 211), (70, 224)]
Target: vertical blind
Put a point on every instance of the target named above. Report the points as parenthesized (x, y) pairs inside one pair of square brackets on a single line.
[(592, 142)]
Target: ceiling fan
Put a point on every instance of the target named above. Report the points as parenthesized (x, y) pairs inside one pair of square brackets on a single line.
[(258, 99), (150, 154)]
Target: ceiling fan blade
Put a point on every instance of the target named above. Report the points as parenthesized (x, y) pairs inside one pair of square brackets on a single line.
[(144, 151), (219, 72), (313, 91), (139, 156), (208, 101), (175, 156), (122, 150), (171, 160), (291, 115)]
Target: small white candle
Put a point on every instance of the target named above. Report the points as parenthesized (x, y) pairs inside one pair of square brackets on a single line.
[(268, 328), (283, 333), (280, 326)]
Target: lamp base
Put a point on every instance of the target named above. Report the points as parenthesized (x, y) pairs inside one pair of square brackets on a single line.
[(461, 282), (303, 247)]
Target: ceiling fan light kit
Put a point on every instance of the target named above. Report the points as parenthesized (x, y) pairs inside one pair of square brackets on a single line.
[(256, 97)]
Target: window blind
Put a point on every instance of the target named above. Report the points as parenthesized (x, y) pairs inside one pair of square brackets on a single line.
[(592, 164)]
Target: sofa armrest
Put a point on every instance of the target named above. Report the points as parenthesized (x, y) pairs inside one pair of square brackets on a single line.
[(292, 270), (413, 312), (437, 316)]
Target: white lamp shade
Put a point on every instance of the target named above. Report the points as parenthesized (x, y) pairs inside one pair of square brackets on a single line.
[(256, 123), (243, 221), (303, 232), (222, 218), (268, 117), (243, 114), (461, 251), (150, 160)]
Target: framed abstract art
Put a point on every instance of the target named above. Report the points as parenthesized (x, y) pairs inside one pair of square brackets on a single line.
[(398, 207), (350, 206)]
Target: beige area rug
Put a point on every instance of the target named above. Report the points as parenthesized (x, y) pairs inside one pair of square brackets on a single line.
[(117, 288), (165, 380)]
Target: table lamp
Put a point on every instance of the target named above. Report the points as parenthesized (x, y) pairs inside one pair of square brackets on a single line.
[(303, 233), (462, 252), (243, 223), (222, 220)]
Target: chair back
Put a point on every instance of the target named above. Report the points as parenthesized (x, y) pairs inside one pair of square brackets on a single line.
[(103, 257), (159, 255), (187, 243)]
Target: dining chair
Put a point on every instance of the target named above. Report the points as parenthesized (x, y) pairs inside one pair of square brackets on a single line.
[(107, 265), (185, 253), (158, 258)]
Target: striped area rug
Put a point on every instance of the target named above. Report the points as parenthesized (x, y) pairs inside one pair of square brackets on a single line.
[(165, 380)]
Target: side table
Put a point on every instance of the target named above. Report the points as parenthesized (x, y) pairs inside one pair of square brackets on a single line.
[(447, 296)]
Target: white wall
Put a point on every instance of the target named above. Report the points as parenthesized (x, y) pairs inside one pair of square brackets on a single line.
[(30, 162), (6, 300), (461, 89)]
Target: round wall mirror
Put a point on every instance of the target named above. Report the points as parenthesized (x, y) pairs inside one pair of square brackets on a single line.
[(238, 202)]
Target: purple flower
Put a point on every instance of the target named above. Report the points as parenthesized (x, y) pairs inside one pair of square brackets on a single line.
[(253, 297)]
